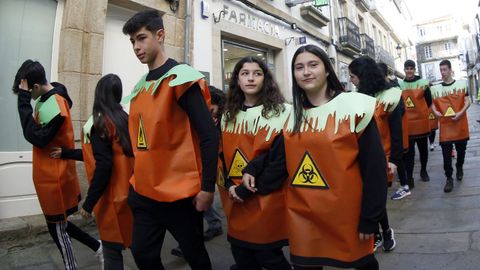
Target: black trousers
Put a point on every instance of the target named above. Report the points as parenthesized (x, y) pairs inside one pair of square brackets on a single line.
[(384, 221), (61, 233), (431, 137), (402, 172), (371, 265), (151, 220), (250, 259), (422, 145), (113, 258), (461, 147)]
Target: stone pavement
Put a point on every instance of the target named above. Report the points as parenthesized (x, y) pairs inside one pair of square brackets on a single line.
[(434, 230)]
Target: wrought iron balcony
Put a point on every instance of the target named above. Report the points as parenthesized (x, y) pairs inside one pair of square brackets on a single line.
[(349, 34), (368, 45), (383, 56)]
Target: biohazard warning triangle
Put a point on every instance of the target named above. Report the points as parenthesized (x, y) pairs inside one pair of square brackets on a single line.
[(409, 103), (308, 174), (141, 137), (238, 164), (431, 116), (450, 112)]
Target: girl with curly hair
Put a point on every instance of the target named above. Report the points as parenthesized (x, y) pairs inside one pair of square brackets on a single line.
[(254, 115)]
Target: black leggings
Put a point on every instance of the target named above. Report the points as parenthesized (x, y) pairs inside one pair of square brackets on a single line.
[(422, 145), (371, 265), (61, 233), (249, 259), (431, 137)]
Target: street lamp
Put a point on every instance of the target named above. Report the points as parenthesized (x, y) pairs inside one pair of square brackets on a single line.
[(399, 50)]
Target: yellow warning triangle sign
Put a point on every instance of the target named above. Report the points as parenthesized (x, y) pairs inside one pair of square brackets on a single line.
[(409, 103), (450, 112), (238, 164), (141, 137), (308, 174), (431, 116), (220, 178)]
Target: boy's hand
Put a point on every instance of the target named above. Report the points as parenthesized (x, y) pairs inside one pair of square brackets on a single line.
[(392, 168), (365, 236), (56, 152), (24, 85), (85, 214), (233, 194), (203, 200)]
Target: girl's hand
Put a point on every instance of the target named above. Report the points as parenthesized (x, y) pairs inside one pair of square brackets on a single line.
[(392, 168), (24, 85), (248, 181), (85, 214), (56, 152), (365, 236), (233, 194)]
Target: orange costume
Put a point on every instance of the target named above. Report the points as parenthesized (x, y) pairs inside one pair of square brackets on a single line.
[(433, 119), (260, 220), (167, 154), (326, 188), (416, 107), (449, 100), (55, 180), (112, 213), (387, 101)]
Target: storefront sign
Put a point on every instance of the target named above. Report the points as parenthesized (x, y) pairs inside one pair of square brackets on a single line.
[(251, 21)]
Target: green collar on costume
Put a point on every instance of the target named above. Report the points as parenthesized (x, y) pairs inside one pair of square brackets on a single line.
[(251, 121), (184, 73), (87, 129), (389, 98), (47, 110), (420, 84), (345, 106), (439, 90)]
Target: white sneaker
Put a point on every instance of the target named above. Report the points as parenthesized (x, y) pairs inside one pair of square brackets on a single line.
[(99, 254), (432, 147)]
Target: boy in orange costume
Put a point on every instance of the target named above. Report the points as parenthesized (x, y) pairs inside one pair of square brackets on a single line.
[(175, 145)]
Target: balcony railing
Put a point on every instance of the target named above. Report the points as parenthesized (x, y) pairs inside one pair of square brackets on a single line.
[(368, 45), (383, 56), (349, 34)]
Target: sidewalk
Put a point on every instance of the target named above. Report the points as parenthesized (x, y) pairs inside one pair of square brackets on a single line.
[(433, 229)]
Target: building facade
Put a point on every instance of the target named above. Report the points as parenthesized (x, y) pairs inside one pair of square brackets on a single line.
[(438, 39)]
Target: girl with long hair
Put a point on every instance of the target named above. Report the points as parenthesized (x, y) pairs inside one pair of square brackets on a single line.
[(108, 157), (366, 75), (332, 155), (254, 115)]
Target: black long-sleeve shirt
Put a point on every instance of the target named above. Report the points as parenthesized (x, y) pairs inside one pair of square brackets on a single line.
[(103, 154), (38, 135), (270, 170), (396, 133), (193, 103)]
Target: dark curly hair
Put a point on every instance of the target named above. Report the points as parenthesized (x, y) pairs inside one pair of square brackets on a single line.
[(270, 96), (371, 78)]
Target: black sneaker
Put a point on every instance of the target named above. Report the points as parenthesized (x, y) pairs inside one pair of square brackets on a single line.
[(177, 252), (459, 174), (411, 183), (448, 185), (234, 267), (424, 176), (377, 241), (211, 233), (389, 242)]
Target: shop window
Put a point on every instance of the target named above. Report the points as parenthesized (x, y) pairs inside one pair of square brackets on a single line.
[(232, 52)]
